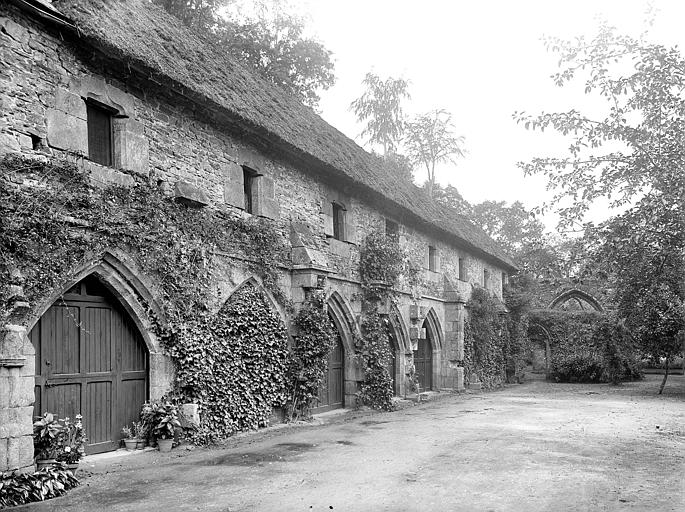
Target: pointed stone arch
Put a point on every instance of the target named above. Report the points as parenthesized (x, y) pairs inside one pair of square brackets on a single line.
[(344, 321), (400, 333), (428, 359), (259, 285), (578, 295), (136, 294)]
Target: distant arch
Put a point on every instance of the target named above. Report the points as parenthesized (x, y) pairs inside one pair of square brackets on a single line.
[(432, 322), (578, 295)]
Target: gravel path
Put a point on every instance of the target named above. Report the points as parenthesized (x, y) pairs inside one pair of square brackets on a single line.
[(532, 447)]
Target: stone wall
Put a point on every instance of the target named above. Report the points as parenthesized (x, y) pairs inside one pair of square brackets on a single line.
[(44, 85)]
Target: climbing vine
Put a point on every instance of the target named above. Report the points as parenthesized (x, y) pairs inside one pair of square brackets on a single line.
[(233, 364), (53, 221), (485, 338), (382, 263), (311, 346)]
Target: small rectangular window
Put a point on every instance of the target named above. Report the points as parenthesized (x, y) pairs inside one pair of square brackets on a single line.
[(338, 222), (505, 278), (486, 278), (391, 228), (462, 269), (99, 122), (432, 259), (249, 188)]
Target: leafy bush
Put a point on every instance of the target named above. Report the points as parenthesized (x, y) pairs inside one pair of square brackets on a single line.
[(588, 346), (60, 439), (18, 489), (484, 340)]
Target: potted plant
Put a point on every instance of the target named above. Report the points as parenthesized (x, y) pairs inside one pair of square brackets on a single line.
[(72, 443), (47, 431), (130, 438), (164, 424), (140, 433)]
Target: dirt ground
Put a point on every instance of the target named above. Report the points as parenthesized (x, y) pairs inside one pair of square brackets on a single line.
[(532, 447)]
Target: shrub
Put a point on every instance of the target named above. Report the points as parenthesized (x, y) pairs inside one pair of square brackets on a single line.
[(18, 489)]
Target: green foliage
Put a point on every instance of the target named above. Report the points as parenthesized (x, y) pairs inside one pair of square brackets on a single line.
[(52, 220), (381, 262), (587, 346), (21, 488), (266, 36), (233, 364), (429, 140), (162, 417), (380, 107), (484, 341), (60, 439), (308, 363), (373, 350)]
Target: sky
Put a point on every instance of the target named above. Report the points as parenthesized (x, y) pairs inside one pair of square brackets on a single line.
[(481, 61)]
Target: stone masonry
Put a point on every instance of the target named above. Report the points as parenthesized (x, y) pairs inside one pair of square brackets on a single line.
[(45, 82)]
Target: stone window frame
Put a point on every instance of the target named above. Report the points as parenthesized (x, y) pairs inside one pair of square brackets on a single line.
[(262, 187), (67, 122), (335, 203)]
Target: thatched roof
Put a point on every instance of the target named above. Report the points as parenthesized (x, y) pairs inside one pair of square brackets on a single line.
[(151, 41)]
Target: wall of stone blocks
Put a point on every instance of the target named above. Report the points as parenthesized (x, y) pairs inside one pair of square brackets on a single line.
[(42, 90)]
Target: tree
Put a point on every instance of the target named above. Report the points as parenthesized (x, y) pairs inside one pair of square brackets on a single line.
[(429, 140), (450, 196), (199, 14), (268, 38), (634, 155), (380, 107)]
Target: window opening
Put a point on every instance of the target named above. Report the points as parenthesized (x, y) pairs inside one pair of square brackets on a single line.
[(486, 278), (391, 228), (99, 120), (432, 259), (338, 222), (249, 188), (462, 269)]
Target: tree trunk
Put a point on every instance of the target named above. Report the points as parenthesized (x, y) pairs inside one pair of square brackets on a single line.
[(663, 382)]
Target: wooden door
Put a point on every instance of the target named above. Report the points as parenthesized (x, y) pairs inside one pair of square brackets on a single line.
[(423, 362), (90, 360), (332, 390)]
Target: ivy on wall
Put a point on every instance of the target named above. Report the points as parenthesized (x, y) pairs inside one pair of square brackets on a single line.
[(485, 339), (382, 262), (53, 220), (308, 365), (233, 364)]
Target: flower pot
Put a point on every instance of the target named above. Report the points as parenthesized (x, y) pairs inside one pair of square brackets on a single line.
[(72, 466), (140, 444), (131, 444), (165, 445), (45, 463)]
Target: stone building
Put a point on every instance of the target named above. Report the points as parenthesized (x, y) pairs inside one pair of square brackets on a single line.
[(122, 87)]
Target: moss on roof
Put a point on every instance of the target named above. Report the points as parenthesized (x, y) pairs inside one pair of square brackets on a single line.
[(149, 39)]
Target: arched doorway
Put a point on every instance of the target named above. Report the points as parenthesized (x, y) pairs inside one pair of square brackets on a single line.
[(423, 359), (332, 390), (90, 360)]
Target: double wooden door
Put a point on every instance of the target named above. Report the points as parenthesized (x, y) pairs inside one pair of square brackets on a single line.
[(90, 360), (332, 390), (423, 362)]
